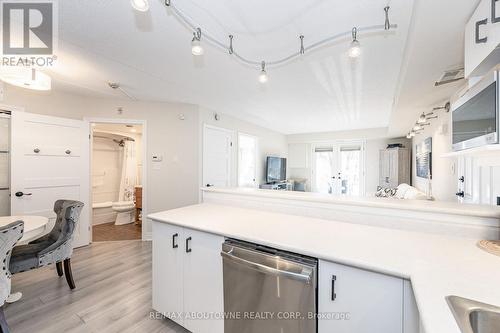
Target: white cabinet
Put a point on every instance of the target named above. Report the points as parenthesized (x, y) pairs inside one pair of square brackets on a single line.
[(394, 167), (168, 266), (298, 155), (203, 282), (482, 36), (187, 277), (366, 302)]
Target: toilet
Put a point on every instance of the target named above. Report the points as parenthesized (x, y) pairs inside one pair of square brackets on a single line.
[(125, 212)]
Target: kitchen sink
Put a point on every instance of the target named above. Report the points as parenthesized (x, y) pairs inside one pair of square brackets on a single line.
[(473, 316)]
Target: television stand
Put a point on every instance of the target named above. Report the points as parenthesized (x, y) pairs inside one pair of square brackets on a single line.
[(275, 186)]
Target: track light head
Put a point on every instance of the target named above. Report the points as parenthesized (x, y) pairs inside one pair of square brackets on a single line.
[(140, 5), (196, 47), (263, 78), (355, 47)]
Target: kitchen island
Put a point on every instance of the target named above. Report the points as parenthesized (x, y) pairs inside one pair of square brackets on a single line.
[(436, 265)]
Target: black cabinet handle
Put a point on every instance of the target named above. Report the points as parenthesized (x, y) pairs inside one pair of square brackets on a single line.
[(460, 194), (188, 249), (174, 243), (462, 179), (334, 295)]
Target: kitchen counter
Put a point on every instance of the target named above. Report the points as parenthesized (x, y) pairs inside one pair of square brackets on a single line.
[(437, 265), (445, 207)]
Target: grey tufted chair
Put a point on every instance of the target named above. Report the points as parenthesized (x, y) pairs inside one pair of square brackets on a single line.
[(9, 236), (53, 248)]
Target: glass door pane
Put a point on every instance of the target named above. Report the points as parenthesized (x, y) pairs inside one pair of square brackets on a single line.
[(4, 165), (350, 170), (247, 163), (323, 170)]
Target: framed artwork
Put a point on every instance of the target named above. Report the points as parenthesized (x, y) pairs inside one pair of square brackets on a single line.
[(424, 158)]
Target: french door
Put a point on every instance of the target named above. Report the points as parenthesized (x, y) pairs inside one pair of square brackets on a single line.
[(338, 168)]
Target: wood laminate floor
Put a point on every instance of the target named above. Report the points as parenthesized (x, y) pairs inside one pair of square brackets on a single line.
[(113, 294), (112, 232)]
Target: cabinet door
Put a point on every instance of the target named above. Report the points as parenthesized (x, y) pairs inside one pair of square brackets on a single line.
[(168, 255), (354, 300), (203, 282)]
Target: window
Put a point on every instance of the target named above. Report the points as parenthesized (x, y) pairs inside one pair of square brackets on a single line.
[(247, 160), (350, 170), (323, 175)]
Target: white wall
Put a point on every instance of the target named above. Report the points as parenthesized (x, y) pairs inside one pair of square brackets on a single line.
[(176, 182), (444, 178), (375, 140), (106, 170), (270, 143)]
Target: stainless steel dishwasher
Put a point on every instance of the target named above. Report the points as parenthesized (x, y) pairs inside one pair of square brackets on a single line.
[(267, 290)]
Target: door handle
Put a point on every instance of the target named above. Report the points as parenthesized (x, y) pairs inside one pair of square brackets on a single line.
[(188, 249), (20, 194), (68, 152), (460, 194), (334, 295), (209, 185), (174, 239), (36, 150)]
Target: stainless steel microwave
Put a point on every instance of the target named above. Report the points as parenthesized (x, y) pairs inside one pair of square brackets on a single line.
[(475, 115)]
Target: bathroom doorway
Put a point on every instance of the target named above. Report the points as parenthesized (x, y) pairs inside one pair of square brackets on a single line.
[(117, 177)]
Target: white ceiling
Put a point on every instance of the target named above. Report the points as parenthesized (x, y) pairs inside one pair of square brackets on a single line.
[(149, 54)]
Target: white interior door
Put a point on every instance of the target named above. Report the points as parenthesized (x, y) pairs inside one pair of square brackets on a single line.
[(216, 157), (50, 161), (247, 160)]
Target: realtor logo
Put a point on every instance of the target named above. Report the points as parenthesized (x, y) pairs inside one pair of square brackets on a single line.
[(29, 33)]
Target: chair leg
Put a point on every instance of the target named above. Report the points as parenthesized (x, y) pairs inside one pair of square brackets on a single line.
[(4, 328), (68, 274), (59, 268)]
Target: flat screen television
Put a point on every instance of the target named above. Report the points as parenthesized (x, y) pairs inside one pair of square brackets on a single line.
[(275, 169)]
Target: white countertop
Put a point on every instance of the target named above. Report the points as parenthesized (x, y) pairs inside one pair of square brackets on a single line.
[(446, 207), (437, 266)]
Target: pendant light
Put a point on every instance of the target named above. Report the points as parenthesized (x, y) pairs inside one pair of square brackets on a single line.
[(140, 5), (355, 48), (196, 47), (263, 78), (25, 77)]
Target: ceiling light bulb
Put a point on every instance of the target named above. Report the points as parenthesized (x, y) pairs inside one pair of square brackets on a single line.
[(408, 136), (412, 134), (422, 119), (196, 48), (354, 49), (140, 5), (263, 78)]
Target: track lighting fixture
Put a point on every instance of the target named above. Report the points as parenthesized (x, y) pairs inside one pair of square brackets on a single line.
[(140, 5), (231, 50), (417, 127), (302, 49), (263, 78), (355, 48), (196, 48), (387, 24)]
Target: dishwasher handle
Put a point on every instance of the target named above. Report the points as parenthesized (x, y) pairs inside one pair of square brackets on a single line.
[(271, 270)]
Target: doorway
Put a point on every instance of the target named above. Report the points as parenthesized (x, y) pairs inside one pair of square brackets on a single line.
[(117, 180), (338, 168)]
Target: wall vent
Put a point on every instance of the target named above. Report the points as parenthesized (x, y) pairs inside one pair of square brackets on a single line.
[(450, 76)]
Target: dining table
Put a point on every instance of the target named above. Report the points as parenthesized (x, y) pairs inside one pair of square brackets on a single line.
[(34, 227)]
